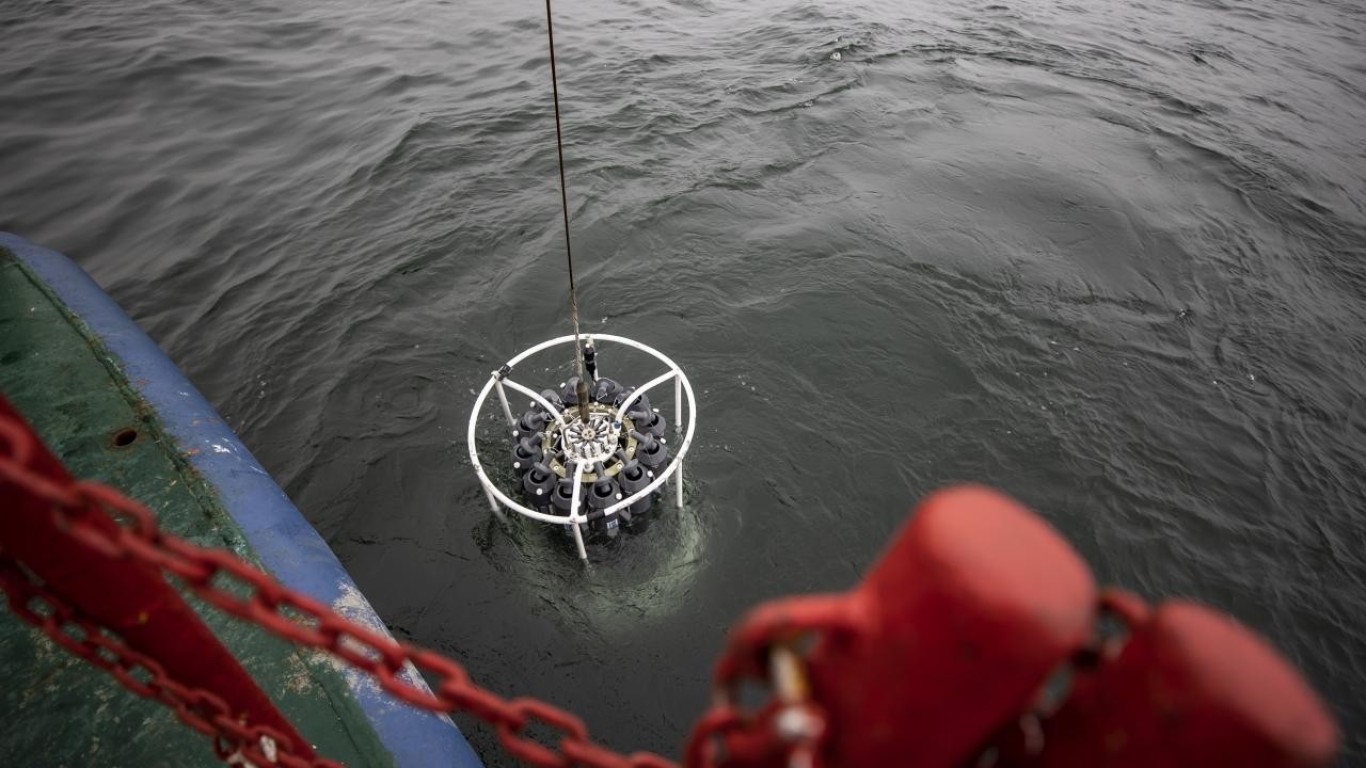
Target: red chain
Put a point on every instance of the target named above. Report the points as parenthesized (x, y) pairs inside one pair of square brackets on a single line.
[(141, 674), (238, 588)]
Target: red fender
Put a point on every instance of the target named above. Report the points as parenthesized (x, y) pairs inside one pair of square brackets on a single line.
[(1189, 688), (950, 634)]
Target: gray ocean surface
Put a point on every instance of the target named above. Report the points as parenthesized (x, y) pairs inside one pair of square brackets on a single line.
[(1108, 257)]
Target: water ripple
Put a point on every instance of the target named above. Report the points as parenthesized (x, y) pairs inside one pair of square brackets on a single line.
[(1107, 259)]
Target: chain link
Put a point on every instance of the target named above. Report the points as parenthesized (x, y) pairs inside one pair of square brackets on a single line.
[(141, 674), (239, 589)]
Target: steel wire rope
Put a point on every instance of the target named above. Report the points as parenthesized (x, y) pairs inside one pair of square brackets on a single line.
[(582, 389)]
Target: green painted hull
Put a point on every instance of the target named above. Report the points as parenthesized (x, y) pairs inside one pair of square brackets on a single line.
[(58, 711)]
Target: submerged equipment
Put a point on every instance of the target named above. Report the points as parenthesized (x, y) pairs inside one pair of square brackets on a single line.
[(591, 456)]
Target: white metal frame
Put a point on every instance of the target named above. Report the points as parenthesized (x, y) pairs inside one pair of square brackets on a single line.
[(575, 520)]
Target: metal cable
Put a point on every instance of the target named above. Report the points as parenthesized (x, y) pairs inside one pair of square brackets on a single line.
[(564, 207)]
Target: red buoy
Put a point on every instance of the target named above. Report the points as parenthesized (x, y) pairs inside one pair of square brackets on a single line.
[(950, 634), (1189, 688), (975, 640)]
